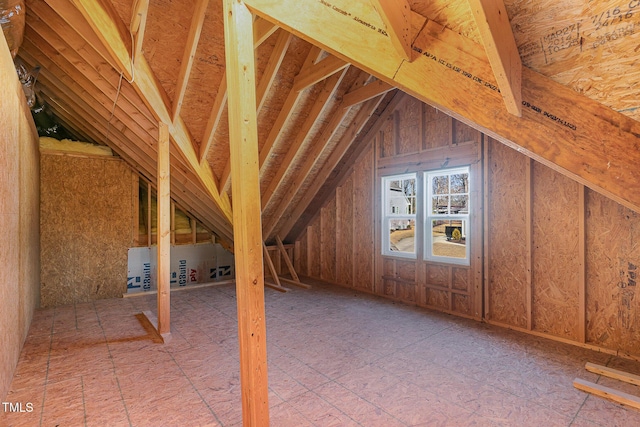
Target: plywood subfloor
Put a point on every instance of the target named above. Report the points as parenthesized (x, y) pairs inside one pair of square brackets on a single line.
[(336, 358)]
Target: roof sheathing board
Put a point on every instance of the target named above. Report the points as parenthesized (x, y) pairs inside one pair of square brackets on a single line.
[(591, 47)]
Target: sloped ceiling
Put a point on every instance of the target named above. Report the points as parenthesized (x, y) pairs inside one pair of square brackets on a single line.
[(326, 70)]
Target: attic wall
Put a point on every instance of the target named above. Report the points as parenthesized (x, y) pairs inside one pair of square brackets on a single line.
[(582, 249), (19, 219), (342, 244), (87, 225)]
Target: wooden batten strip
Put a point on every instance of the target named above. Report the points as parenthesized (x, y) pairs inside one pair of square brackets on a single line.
[(270, 266), (295, 283), (607, 393), (613, 373), (287, 260), (582, 261), (529, 241)]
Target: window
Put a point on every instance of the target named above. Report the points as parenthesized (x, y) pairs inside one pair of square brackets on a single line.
[(399, 215), (447, 215)]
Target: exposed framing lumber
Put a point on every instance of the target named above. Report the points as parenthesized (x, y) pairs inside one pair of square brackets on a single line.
[(556, 124), (339, 150), (107, 26), (582, 263), (164, 232), (613, 373), (287, 260), (269, 74), (278, 126), (318, 72), (365, 93), (262, 30), (315, 112), (499, 43), (396, 15), (139, 12), (270, 266), (243, 142), (528, 236), (607, 393), (189, 54)]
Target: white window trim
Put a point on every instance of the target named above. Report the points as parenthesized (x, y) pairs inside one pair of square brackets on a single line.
[(428, 217), (386, 217)]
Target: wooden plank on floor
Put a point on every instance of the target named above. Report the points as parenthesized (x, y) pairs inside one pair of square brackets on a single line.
[(276, 287), (295, 283), (613, 373), (607, 393)]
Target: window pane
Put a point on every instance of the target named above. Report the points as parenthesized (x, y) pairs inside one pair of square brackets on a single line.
[(459, 204), (402, 235), (440, 205), (441, 184), (449, 238), (459, 183), (401, 197)]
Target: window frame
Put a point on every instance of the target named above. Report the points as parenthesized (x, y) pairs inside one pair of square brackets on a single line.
[(387, 215), (428, 216)]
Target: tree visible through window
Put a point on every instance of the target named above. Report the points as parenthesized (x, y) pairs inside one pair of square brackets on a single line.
[(447, 215)]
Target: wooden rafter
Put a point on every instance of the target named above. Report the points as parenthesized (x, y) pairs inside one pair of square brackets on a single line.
[(145, 83), (138, 24), (273, 65), (396, 15), (318, 72), (354, 128), (365, 93), (494, 27), (557, 124), (315, 113), (189, 54), (262, 30), (278, 126)]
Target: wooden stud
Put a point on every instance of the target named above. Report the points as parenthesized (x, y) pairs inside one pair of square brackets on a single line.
[(486, 286), (243, 141), (164, 232), (173, 223), (194, 230), (148, 214), (135, 204), (528, 237), (607, 393), (582, 262)]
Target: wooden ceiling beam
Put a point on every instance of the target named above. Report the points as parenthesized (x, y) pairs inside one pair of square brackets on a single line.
[(262, 30), (354, 128), (152, 94), (297, 145), (366, 92), (396, 15), (453, 74), (278, 126), (318, 72), (188, 56), (500, 44)]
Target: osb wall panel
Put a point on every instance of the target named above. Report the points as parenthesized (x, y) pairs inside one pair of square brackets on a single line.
[(344, 232), (507, 227), (613, 264), (387, 141), (86, 223), (19, 195), (328, 242), (409, 119), (363, 218), (313, 247), (556, 264), (437, 128)]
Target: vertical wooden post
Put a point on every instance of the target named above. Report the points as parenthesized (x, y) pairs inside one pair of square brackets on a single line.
[(194, 231), (247, 226), (135, 204), (486, 309), (149, 227), (164, 231), (173, 223)]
